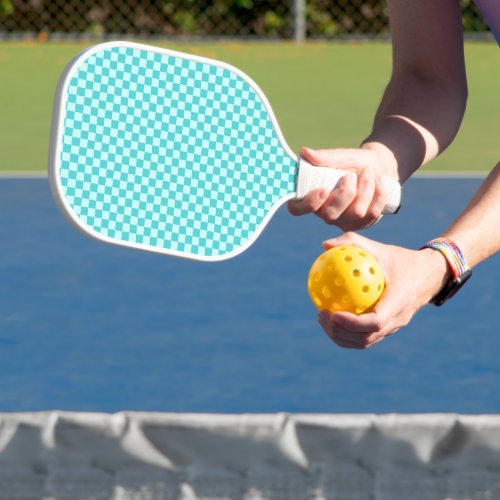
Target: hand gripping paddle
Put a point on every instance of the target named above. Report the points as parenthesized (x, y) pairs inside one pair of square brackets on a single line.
[(172, 153)]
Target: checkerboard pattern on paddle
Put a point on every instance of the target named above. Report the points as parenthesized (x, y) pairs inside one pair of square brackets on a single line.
[(167, 152)]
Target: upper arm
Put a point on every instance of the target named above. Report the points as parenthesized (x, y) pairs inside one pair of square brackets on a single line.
[(427, 40)]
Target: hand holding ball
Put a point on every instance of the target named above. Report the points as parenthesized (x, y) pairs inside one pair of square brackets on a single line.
[(346, 278)]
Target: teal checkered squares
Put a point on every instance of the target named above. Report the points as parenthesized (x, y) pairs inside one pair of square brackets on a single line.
[(164, 151)]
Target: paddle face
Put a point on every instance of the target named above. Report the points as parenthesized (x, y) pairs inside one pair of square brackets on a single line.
[(167, 152)]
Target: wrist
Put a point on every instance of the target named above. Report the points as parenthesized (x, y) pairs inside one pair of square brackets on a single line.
[(388, 165), (457, 265), (437, 273)]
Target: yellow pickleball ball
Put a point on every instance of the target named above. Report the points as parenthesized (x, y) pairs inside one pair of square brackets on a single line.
[(346, 278)]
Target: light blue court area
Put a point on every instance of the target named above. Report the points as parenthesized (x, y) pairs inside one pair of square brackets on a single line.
[(88, 326)]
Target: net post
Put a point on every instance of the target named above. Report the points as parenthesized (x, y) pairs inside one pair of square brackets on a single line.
[(299, 20)]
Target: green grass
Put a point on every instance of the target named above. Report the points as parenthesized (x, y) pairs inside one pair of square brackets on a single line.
[(324, 95)]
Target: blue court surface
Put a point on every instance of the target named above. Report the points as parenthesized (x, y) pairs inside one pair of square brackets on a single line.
[(86, 326)]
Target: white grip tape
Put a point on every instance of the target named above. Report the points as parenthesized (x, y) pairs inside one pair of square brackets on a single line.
[(311, 177)]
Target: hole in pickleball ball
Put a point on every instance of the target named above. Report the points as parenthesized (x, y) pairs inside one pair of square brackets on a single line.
[(327, 293), (379, 287), (356, 273), (348, 258), (366, 289), (363, 254), (346, 299), (339, 281), (317, 276), (317, 300), (360, 309), (372, 270)]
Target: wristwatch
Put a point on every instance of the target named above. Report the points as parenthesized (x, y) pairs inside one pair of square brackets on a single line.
[(459, 267)]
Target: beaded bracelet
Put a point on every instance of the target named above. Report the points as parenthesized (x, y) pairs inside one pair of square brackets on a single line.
[(459, 267), (452, 254)]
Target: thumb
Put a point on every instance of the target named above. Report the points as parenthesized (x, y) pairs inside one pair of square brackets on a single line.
[(348, 238), (354, 159)]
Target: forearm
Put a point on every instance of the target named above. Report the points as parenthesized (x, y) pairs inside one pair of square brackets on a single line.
[(477, 230), (416, 121), (424, 103)]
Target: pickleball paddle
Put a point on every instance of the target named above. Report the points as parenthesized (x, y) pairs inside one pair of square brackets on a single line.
[(173, 153)]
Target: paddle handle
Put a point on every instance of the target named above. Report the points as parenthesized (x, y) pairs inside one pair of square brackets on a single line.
[(312, 177)]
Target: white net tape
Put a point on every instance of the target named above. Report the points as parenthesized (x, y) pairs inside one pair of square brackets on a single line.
[(160, 456)]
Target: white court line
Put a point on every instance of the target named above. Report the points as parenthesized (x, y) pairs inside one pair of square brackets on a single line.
[(454, 174), (23, 175)]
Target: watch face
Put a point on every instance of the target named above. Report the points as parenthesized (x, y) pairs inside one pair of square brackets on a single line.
[(451, 288)]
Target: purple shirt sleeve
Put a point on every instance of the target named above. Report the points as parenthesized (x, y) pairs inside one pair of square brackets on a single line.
[(490, 9)]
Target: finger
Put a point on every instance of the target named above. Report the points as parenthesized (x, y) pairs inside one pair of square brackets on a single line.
[(362, 340), (356, 216), (364, 194), (335, 328), (310, 203), (313, 156), (357, 224), (342, 340), (364, 324), (373, 325), (353, 340), (354, 159), (372, 222), (345, 344), (339, 335), (368, 206), (348, 238), (352, 238), (379, 200), (339, 199)]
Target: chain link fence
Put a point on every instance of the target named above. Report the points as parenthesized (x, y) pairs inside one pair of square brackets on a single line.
[(286, 19)]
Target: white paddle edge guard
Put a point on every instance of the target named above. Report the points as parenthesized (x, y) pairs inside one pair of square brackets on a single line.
[(55, 151), (311, 177)]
